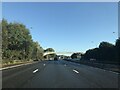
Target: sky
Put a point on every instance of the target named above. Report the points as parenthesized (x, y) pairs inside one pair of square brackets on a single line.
[(66, 26)]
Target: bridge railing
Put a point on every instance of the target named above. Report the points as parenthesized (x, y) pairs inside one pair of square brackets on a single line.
[(46, 53)]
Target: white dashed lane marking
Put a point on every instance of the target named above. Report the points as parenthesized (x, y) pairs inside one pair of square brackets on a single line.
[(75, 71), (36, 70), (44, 64)]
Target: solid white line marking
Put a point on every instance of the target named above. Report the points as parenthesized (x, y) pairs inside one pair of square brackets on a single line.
[(43, 64), (75, 71), (114, 72), (15, 66), (35, 71), (103, 70)]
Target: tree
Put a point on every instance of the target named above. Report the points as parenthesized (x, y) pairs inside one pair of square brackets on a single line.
[(105, 52), (49, 50), (105, 45), (76, 55), (17, 43), (117, 45), (4, 37), (37, 51)]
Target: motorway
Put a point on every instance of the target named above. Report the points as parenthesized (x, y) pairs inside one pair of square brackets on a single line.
[(58, 74)]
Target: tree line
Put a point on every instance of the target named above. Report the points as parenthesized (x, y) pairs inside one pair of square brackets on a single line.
[(106, 52), (17, 43), (76, 55)]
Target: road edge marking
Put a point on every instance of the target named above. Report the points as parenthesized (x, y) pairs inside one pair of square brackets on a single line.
[(15, 66)]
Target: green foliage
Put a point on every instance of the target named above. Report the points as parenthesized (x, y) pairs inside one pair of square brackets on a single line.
[(76, 55), (105, 52), (37, 51), (49, 50), (105, 45), (17, 43), (117, 45)]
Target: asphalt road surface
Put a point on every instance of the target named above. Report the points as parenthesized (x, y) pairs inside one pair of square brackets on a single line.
[(58, 74)]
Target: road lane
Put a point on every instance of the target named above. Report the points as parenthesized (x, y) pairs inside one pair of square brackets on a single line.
[(60, 74), (16, 77), (104, 78), (55, 75)]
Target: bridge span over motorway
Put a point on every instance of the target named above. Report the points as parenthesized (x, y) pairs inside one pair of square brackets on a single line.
[(58, 53), (46, 54)]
